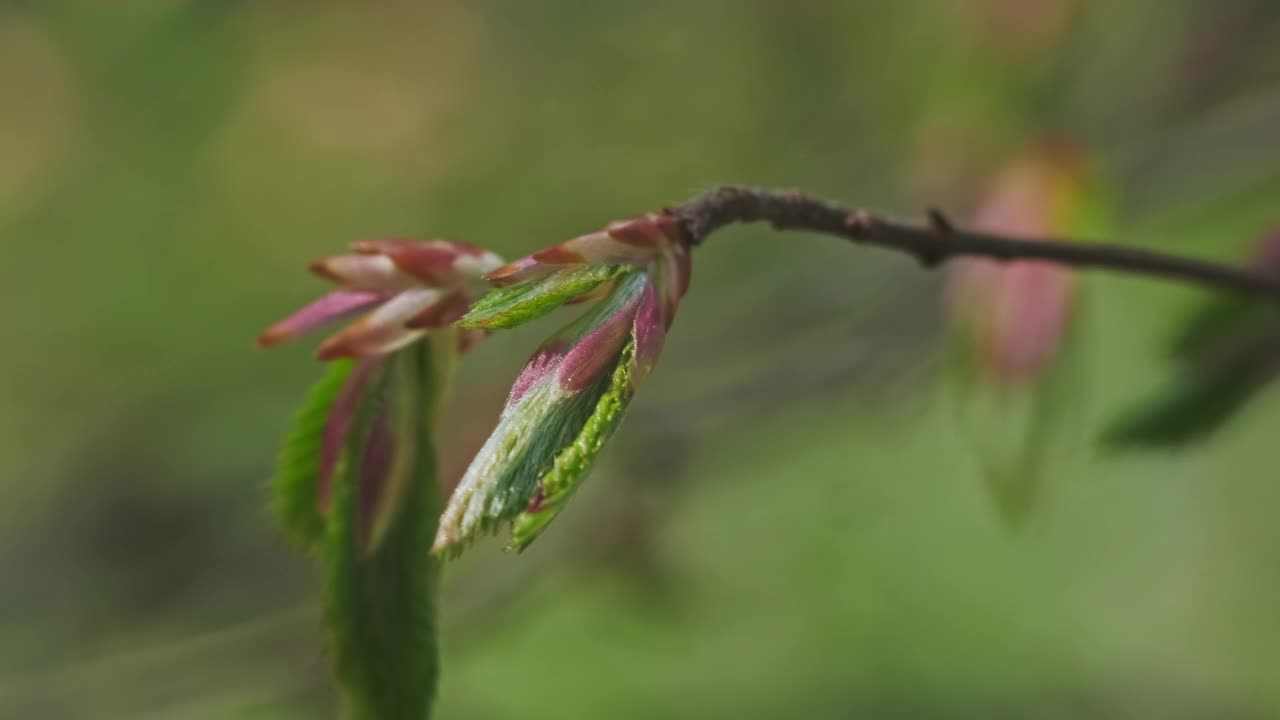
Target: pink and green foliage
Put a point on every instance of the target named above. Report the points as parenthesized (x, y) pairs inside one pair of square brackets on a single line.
[(408, 289), (572, 393), (356, 481)]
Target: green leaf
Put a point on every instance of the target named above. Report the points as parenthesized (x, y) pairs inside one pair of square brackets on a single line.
[(298, 464), (510, 307), (574, 462), (521, 450), (1017, 433), (1194, 404), (531, 433), (1221, 320), (381, 602), (1226, 351)]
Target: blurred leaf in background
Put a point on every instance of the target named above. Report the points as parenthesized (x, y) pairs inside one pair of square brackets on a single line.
[(1226, 352), (1017, 326)]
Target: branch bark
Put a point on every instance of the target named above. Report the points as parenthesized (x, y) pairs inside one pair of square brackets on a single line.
[(938, 240)]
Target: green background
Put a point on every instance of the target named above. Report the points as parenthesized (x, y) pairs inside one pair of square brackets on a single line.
[(791, 522)]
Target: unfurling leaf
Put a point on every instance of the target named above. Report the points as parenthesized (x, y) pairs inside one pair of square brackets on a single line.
[(294, 485), (381, 591), (554, 398), (574, 462), (512, 306), (573, 391)]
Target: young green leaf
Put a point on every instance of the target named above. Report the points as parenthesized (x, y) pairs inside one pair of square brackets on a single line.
[(298, 464), (512, 306), (554, 398), (381, 597), (574, 462)]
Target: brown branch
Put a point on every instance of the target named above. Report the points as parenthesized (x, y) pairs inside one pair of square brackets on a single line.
[(938, 240)]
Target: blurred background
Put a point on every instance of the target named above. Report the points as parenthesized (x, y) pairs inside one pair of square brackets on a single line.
[(791, 522)]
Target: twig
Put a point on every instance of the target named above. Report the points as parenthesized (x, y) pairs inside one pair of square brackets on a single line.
[(939, 240)]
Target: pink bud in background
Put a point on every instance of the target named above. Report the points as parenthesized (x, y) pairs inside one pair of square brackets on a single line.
[(1014, 316)]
